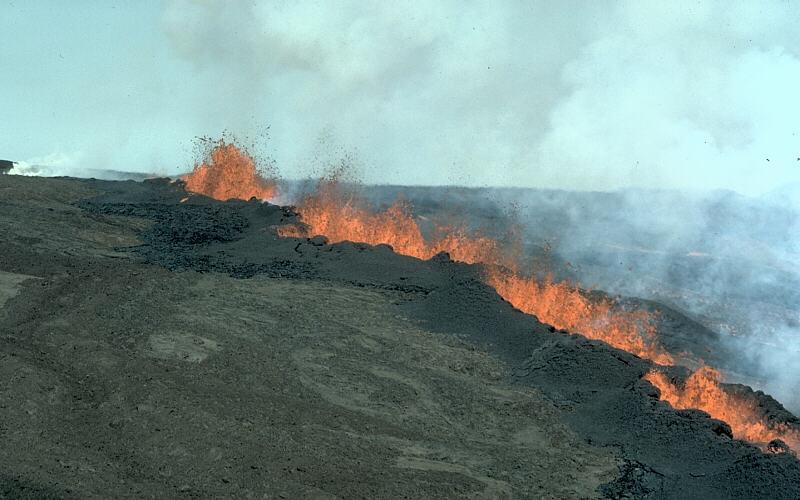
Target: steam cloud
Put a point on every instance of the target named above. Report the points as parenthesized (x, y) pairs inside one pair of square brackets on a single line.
[(573, 95), (729, 261), (567, 95), (695, 96)]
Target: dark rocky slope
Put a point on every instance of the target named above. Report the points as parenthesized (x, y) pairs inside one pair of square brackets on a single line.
[(201, 255)]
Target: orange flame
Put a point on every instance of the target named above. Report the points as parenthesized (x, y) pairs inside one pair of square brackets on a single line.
[(228, 173), (344, 218), (566, 307), (703, 391), (339, 217), (231, 173)]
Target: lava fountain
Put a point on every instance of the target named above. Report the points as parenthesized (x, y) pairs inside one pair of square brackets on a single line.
[(229, 172), (339, 217), (703, 390), (564, 306)]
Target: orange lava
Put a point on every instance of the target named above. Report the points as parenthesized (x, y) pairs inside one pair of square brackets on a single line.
[(703, 391), (339, 217), (330, 213), (566, 307), (229, 173)]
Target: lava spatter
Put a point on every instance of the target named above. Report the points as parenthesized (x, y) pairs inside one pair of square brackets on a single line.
[(230, 172)]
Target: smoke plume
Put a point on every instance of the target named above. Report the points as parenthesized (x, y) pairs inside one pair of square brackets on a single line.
[(684, 113), (570, 95)]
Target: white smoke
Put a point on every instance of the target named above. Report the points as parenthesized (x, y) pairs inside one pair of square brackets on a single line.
[(51, 165), (568, 95), (573, 95), (69, 165), (729, 261)]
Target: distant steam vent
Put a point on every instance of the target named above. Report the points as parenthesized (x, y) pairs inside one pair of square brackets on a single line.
[(6, 166)]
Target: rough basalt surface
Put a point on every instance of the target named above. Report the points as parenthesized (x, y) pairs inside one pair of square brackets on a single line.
[(155, 344)]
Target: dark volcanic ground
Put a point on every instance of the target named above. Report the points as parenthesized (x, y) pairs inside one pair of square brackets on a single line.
[(727, 261), (152, 348)]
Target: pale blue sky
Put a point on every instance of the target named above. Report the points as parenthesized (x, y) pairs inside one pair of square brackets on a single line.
[(93, 82), (584, 95)]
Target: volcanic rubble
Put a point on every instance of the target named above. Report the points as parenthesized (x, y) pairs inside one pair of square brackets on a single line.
[(165, 345)]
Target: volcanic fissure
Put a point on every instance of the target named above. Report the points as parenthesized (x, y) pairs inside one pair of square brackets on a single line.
[(338, 215)]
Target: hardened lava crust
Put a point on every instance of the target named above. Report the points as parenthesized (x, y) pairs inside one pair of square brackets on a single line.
[(156, 344)]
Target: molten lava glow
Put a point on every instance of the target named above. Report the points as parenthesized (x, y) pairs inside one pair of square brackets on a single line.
[(330, 213), (340, 217), (229, 173), (703, 391), (566, 307), (344, 218)]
